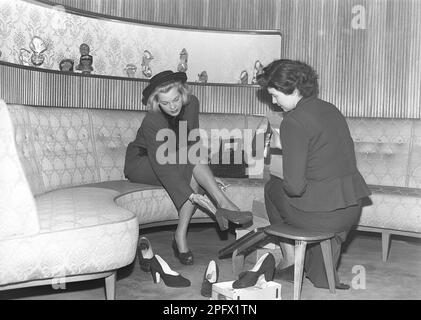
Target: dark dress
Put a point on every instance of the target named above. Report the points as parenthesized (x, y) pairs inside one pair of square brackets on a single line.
[(322, 188), (141, 165)]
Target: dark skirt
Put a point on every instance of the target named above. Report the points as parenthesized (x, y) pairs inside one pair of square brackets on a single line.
[(279, 210), (144, 173), (339, 221)]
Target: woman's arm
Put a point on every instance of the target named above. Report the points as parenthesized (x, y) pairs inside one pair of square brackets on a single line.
[(295, 150)]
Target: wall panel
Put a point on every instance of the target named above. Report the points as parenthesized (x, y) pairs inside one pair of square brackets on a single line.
[(373, 72)]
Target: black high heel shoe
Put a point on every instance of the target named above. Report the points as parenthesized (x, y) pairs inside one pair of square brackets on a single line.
[(209, 278), (264, 266), (222, 217), (145, 254), (161, 270), (185, 258)]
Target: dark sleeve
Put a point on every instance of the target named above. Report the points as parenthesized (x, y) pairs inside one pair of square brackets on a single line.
[(169, 175), (295, 149), (192, 113)]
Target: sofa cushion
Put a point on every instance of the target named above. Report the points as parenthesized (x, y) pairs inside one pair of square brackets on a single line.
[(25, 146), (18, 216), (82, 231), (63, 146), (382, 149), (112, 132), (394, 208), (415, 159)]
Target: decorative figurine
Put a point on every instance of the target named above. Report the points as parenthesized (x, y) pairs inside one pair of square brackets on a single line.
[(25, 57), (38, 47), (146, 60), (66, 65), (182, 65), (130, 70), (86, 60), (244, 77), (258, 69), (203, 77)]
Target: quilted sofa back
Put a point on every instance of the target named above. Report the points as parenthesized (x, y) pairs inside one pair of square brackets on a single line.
[(62, 147), (388, 150)]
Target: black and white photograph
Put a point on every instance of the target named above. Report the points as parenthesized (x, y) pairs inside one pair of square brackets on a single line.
[(210, 156)]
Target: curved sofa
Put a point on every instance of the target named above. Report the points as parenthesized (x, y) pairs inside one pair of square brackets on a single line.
[(84, 218), (68, 214)]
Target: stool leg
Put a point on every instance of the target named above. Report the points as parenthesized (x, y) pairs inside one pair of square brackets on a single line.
[(327, 258), (300, 251)]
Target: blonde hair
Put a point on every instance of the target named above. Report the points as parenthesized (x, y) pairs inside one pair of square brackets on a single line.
[(183, 88)]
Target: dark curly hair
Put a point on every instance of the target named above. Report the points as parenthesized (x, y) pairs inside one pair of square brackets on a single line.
[(287, 75)]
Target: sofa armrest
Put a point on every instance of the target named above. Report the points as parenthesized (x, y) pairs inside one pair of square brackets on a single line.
[(18, 214)]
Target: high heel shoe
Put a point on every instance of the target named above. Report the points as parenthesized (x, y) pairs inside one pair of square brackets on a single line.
[(264, 266), (222, 217), (185, 258), (145, 254), (161, 270), (209, 278)]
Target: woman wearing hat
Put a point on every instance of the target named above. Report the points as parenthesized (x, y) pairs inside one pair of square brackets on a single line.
[(321, 189), (171, 103)]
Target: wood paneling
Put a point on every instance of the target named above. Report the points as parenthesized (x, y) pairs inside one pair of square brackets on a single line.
[(373, 72)]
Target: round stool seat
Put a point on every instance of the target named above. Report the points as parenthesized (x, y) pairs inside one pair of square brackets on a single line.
[(291, 232)]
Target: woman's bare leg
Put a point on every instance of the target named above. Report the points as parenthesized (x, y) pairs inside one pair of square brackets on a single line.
[(185, 214), (205, 178)]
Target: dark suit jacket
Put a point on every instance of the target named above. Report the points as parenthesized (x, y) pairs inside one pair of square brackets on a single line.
[(171, 178), (319, 165)]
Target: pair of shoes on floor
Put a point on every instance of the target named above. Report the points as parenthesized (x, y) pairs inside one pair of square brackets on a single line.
[(263, 269), (158, 267), (287, 274), (185, 258)]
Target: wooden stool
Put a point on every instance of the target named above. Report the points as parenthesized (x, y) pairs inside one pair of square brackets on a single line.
[(302, 238)]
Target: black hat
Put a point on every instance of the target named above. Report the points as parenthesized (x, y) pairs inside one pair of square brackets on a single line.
[(161, 78)]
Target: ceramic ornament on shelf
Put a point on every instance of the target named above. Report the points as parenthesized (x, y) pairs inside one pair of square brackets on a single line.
[(66, 65), (244, 77), (182, 65), (38, 47), (25, 57), (130, 70), (258, 69), (86, 60), (203, 77), (146, 60)]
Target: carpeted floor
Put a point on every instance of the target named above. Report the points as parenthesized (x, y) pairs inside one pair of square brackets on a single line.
[(398, 278)]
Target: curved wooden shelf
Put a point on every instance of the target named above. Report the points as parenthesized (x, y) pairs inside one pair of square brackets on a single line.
[(43, 87)]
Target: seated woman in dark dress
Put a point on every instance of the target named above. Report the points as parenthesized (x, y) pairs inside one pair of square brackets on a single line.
[(321, 187), (172, 107)]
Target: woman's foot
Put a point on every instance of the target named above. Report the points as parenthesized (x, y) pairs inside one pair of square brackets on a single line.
[(182, 253)]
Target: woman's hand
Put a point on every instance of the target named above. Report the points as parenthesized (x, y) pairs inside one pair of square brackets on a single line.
[(202, 201), (262, 126), (276, 140), (221, 184)]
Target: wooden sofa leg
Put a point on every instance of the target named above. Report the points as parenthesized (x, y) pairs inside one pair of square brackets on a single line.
[(385, 245), (110, 286)]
